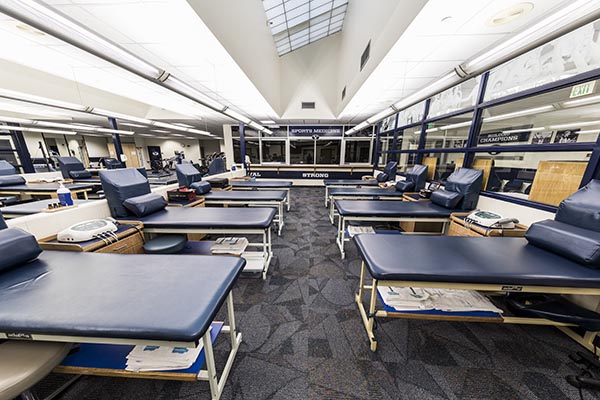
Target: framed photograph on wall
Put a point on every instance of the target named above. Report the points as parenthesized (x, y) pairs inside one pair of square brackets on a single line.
[(541, 138), (567, 136)]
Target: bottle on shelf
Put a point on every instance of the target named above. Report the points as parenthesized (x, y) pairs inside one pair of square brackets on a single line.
[(64, 196)]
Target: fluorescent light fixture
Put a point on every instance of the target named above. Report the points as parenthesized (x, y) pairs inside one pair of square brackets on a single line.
[(182, 124), (585, 100), (11, 94), (519, 113), (432, 130), (454, 126), (81, 127), (57, 24), (22, 129), (268, 131), (589, 131), (112, 114), (191, 92), (525, 130), (433, 88), (177, 134), (268, 121), (160, 131), (381, 115), (236, 115), (132, 125), (145, 134), (575, 124)]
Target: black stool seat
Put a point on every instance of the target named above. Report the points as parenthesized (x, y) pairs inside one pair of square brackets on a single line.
[(167, 244)]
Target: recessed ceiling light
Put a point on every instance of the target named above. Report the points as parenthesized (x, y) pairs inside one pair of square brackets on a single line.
[(267, 122), (510, 14)]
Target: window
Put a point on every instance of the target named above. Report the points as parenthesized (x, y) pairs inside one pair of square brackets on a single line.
[(302, 151), (449, 133), (253, 150), (357, 151), (441, 165), (543, 177), (389, 123), (406, 161), (550, 118), (273, 151), (328, 151), (411, 115)]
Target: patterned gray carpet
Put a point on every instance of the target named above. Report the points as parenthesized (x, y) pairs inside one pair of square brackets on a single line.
[(303, 339)]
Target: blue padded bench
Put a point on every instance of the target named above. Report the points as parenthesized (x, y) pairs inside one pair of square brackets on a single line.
[(560, 256), (461, 194)]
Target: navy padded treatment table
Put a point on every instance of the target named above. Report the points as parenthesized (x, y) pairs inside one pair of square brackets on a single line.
[(388, 211), (228, 221), (499, 264), (264, 185), (255, 198), (33, 207), (120, 299), (360, 193), (340, 183), (45, 189)]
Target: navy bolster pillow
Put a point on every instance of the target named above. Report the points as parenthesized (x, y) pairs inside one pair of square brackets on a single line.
[(445, 198), (145, 204), (404, 186), (16, 248), (382, 177), (80, 174), (578, 244), (201, 187), (581, 208), (9, 180)]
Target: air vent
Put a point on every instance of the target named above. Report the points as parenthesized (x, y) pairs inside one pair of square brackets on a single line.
[(365, 55), (344, 93), (308, 105)]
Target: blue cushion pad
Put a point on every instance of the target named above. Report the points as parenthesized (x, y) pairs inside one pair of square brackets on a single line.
[(349, 182), (577, 244), (82, 174), (505, 261), (368, 191), (17, 247), (145, 204), (405, 186), (386, 208), (582, 208), (201, 187), (34, 207), (261, 184), (246, 195), (146, 297), (45, 187), (200, 217), (8, 180), (445, 198)]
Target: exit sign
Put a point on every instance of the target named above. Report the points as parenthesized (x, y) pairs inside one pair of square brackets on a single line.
[(582, 90)]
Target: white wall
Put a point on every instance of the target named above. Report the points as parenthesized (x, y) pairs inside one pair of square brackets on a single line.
[(310, 74), (97, 146)]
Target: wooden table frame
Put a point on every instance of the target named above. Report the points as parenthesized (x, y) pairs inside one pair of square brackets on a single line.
[(368, 316)]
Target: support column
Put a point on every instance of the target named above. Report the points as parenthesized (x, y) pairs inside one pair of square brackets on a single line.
[(242, 128), (116, 139)]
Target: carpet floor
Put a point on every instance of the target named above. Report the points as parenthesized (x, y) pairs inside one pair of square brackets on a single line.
[(303, 339)]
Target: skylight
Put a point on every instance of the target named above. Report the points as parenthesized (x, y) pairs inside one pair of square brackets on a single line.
[(296, 23)]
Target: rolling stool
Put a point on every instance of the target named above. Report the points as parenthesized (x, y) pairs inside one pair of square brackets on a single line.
[(23, 364), (167, 244)]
